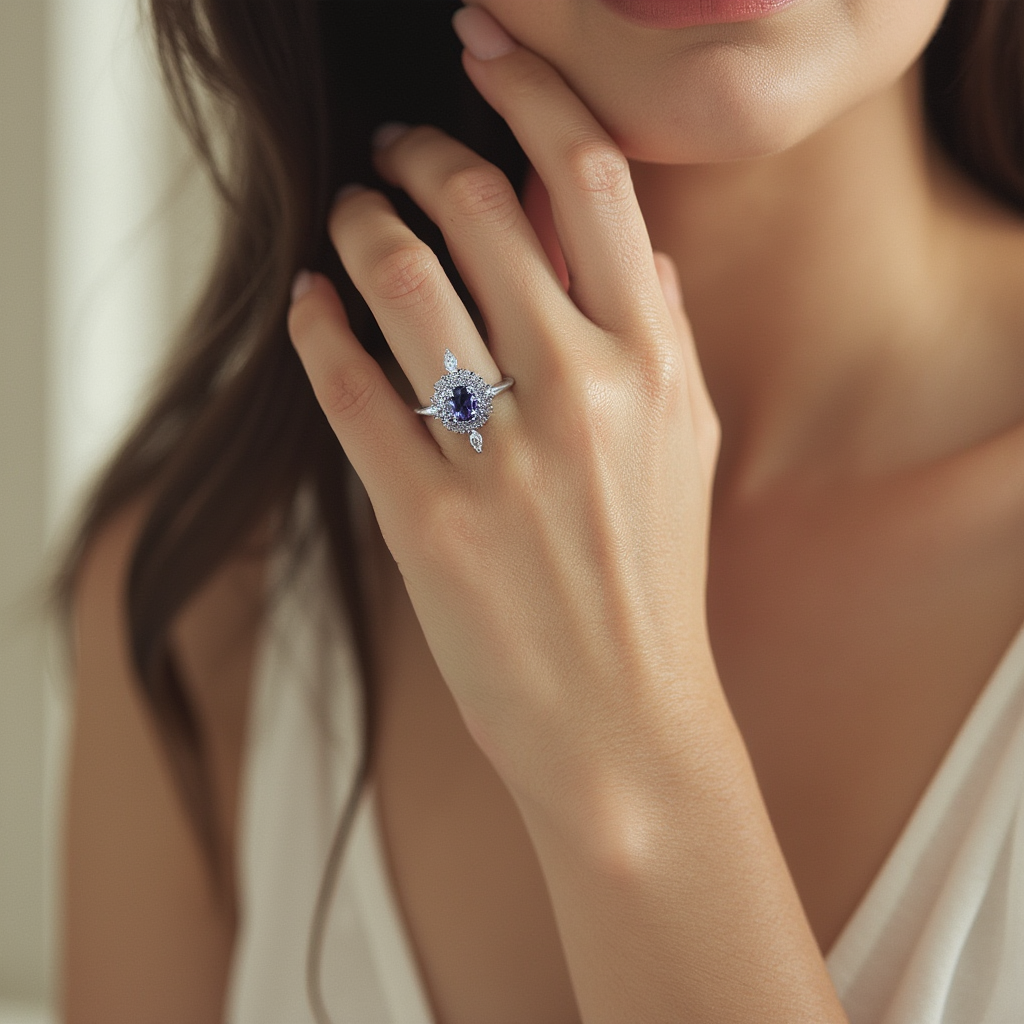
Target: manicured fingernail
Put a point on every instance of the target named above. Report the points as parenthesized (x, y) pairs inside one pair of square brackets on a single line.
[(302, 283), (388, 132), (481, 34), (347, 190)]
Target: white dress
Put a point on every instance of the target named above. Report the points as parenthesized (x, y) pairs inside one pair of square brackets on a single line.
[(937, 939)]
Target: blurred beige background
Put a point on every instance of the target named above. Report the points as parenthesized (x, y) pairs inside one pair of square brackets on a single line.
[(106, 230)]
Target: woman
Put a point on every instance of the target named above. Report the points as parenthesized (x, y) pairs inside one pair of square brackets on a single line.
[(663, 720)]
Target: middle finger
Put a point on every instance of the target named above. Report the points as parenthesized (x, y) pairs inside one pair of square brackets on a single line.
[(489, 236), (598, 219)]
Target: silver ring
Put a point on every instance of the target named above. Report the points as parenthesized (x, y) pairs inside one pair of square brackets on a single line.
[(462, 400)]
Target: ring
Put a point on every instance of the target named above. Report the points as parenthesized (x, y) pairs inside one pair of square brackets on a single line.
[(462, 400)]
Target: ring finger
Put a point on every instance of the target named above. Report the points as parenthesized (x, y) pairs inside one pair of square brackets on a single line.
[(409, 294)]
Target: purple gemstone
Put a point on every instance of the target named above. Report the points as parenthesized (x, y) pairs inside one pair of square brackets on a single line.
[(462, 405)]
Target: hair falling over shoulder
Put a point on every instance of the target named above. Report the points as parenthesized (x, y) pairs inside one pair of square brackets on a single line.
[(279, 98)]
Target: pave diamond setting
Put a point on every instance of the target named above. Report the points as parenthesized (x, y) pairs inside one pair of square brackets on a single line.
[(462, 401)]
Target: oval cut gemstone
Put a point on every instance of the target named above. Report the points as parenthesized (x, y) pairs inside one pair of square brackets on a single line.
[(462, 405)]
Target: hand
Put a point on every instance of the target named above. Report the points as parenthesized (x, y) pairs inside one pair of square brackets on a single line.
[(558, 576)]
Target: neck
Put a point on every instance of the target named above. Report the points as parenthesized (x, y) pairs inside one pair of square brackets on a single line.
[(811, 278)]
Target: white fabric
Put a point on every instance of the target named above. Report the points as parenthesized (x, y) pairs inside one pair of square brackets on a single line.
[(939, 936), (938, 939)]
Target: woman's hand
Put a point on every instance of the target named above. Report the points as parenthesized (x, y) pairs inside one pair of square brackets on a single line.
[(559, 575)]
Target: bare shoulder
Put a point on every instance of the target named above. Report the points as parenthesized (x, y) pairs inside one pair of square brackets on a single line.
[(146, 937)]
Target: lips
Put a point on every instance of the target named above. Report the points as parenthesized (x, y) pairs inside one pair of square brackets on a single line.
[(684, 13)]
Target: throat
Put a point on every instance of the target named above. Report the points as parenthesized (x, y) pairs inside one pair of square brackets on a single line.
[(828, 285)]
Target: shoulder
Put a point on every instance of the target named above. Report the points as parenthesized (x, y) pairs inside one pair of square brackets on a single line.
[(145, 933), (216, 631), (215, 639)]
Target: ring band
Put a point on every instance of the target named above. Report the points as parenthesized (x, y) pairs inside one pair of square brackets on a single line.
[(462, 400)]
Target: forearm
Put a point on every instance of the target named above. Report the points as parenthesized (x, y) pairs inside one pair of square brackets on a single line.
[(673, 899)]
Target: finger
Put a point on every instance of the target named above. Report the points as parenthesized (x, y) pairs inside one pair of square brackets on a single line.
[(601, 229), (382, 437), (537, 207), (492, 243), (408, 292), (705, 419)]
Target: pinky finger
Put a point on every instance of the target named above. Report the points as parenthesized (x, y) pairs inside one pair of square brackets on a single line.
[(383, 439)]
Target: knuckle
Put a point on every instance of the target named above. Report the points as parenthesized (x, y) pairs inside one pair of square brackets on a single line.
[(605, 398), (404, 275), (596, 167), (662, 375), (481, 191), (601, 406), (347, 394)]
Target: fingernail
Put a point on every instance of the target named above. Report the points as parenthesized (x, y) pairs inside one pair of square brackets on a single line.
[(347, 190), (388, 132), (302, 283), (481, 34)]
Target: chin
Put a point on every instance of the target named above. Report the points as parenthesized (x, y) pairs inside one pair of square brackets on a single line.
[(726, 103), (734, 108), (726, 92)]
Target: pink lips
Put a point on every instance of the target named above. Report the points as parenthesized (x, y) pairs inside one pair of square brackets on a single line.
[(683, 13)]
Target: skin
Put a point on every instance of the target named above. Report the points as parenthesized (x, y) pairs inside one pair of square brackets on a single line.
[(670, 889), (727, 653)]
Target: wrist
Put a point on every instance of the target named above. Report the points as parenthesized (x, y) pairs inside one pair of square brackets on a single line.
[(613, 800)]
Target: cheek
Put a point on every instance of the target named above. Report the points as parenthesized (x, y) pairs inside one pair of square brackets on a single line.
[(725, 92)]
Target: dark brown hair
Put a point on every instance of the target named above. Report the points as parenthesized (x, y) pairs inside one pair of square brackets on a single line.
[(233, 430)]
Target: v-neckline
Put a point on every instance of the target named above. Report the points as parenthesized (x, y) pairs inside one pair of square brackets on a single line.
[(864, 922)]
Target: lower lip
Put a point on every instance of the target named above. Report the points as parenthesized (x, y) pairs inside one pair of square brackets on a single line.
[(684, 13)]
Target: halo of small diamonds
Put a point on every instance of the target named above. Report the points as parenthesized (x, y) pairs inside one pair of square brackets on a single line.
[(462, 401)]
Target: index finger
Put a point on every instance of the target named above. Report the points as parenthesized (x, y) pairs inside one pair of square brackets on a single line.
[(613, 279)]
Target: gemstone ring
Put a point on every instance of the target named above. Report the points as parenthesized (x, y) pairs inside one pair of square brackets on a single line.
[(462, 400)]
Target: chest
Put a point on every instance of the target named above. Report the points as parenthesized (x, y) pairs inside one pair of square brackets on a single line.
[(849, 668)]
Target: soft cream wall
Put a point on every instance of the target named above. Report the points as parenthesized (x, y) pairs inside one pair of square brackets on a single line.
[(106, 232), (23, 411)]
